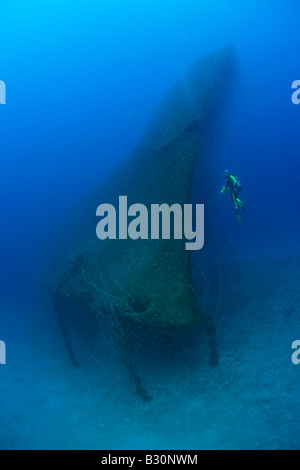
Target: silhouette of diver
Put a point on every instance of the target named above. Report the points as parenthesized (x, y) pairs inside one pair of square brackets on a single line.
[(232, 183)]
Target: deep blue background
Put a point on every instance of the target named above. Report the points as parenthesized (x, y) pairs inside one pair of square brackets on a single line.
[(83, 79)]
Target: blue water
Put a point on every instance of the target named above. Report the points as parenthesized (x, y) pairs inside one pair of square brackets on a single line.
[(82, 81)]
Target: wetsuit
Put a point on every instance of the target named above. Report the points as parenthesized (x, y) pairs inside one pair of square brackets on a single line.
[(232, 183)]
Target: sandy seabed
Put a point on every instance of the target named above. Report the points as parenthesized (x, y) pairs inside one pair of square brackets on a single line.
[(250, 401)]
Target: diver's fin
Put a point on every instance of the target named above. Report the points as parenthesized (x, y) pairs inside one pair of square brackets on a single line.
[(239, 219), (240, 203)]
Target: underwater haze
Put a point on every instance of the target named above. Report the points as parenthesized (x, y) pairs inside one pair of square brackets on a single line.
[(83, 79)]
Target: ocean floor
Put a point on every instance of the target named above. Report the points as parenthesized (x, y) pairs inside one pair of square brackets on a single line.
[(251, 400)]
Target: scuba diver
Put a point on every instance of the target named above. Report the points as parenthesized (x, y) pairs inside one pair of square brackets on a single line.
[(232, 183)]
